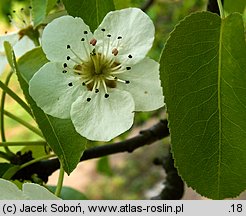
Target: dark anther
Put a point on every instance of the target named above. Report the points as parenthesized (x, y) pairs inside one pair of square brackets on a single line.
[(85, 32), (83, 83), (88, 99), (70, 84), (127, 81), (64, 71), (68, 46), (103, 30), (68, 58), (30, 7), (82, 39), (130, 56), (109, 35), (116, 78), (65, 65), (128, 68), (106, 95), (97, 90), (22, 9), (14, 11), (119, 37), (24, 21)]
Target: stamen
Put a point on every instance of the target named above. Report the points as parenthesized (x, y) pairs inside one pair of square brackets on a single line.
[(128, 68), (65, 65), (69, 58), (64, 71), (69, 47), (88, 82), (103, 30), (119, 38), (70, 84), (88, 99), (106, 95), (130, 56), (104, 86), (93, 42), (123, 81), (97, 90), (115, 52), (86, 47)]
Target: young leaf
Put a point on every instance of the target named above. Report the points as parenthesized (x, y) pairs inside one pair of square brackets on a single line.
[(59, 133), (92, 12), (9, 54), (4, 167), (203, 73), (9, 191), (40, 9), (104, 167)]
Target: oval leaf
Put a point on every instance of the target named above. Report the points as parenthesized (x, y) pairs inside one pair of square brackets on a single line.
[(203, 72), (59, 133), (40, 9), (92, 12)]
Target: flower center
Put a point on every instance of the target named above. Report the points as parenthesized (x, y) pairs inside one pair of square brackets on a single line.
[(99, 70), (22, 18)]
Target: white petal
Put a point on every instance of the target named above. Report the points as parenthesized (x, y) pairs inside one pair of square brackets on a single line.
[(9, 191), (3, 62), (144, 86), (135, 28), (23, 45), (102, 118), (50, 90), (12, 38), (64, 31)]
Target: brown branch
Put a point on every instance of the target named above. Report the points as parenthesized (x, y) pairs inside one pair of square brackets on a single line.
[(146, 137)]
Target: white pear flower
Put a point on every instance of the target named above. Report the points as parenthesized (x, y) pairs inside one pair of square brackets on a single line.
[(22, 23), (98, 80)]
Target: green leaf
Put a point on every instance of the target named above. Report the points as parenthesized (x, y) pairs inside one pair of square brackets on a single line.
[(103, 166), (9, 191), (203, 72), (9, 54), (231, 6), (37, 192), (40, 9), (92, 12), (60, 134), (68, 193), (4, 167), (120, 4)]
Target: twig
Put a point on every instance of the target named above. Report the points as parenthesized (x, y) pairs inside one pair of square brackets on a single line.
[(146, 137)]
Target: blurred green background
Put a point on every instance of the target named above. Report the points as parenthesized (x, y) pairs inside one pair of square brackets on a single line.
[(122, 176)]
